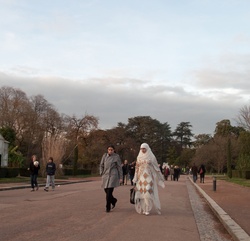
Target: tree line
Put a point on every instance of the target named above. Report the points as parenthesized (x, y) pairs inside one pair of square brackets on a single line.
[(32, 125)]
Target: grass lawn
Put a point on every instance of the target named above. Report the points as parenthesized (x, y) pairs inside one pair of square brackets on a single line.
[(239, 181)]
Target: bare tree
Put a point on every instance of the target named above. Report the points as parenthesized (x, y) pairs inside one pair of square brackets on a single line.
[(215, 154), (78, 130), (243, 119), (53, 146), (44, 121), (15, 109)]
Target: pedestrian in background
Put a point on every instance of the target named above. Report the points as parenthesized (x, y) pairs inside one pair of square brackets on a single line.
[(111, 172), (172, 172), (125, 172), (131, 171), (34, 167), (177, 173), (202, 171), (194, 172), (166, 170), (50, 170)]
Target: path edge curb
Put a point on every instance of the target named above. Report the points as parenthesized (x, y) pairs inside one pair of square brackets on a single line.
[(237, 233)]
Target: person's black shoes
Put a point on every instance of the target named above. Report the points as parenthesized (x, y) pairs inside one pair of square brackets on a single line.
[(113, 204), (46, 190), (107, 210)]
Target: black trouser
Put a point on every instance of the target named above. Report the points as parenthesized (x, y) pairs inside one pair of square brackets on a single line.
[(33, 180), (176, 177), (202, 176), (109, 197), (131, 178)]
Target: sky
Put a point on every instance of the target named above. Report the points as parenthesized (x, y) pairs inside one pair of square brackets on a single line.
[(175, 61)]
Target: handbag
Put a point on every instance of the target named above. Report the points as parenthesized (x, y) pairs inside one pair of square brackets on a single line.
[(132, 195)]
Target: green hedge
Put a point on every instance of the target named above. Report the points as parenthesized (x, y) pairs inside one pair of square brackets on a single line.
[(241, 174), (8, 172)]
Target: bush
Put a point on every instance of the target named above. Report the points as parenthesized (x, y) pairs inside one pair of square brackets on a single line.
[(8, 172), (241, 174), (3, 172)]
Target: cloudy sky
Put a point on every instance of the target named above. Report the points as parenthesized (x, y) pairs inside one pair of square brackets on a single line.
[(185, 60)]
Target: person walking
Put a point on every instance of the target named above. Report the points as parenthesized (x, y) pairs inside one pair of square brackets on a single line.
[(125, 169), (131, 170), (177, 172), (111, 172), (50, 170), (166, 170), (194, 172), (172, 172), (202, 171), (147, 176), (34, 167)]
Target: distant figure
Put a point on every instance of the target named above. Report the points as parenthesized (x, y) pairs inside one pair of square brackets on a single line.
[(202, 171), (131, 171), (194, 172), (172, 172), (34, 168), (166, 170), (161, 168), (176, 173), (147, 178), (125, 172), (50, 170)]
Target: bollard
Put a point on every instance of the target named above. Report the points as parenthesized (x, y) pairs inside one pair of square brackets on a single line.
[(214, 184)]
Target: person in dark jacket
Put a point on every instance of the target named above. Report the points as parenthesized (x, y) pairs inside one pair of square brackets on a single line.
[(34, 168), (177, 172), (50, 169), (111, 172), (131, 171), (202, 171), (194, 172), (125, 169)]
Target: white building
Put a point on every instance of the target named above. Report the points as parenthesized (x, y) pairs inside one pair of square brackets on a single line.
[(4, 145)]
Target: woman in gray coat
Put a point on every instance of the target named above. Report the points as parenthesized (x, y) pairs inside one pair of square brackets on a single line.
[(111, 172)]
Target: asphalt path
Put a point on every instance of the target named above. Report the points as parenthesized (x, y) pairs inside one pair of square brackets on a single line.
[(77, 212)]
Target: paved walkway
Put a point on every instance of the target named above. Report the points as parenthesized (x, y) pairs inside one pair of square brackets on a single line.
[(230, 202)]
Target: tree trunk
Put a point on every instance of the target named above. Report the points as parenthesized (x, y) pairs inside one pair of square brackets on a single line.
[(75, 161), (229, 159)]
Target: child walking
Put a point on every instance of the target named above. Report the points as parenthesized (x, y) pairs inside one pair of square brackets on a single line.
[(50, 169)]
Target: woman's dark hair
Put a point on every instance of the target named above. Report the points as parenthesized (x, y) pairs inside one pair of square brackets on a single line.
[(111, 147), (51, 158)]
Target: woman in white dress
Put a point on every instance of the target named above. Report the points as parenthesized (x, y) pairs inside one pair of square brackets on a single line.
[(147, 177)]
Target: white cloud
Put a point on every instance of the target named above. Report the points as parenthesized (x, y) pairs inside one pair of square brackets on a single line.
[(114, 101), (174, 61)]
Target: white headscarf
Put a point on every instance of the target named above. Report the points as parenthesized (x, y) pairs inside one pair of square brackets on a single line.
[(148, 155)]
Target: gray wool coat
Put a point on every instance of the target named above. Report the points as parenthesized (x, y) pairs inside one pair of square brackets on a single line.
[(110, 170)]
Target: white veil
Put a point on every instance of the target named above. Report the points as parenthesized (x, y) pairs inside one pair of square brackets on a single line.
[(158, 177)]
